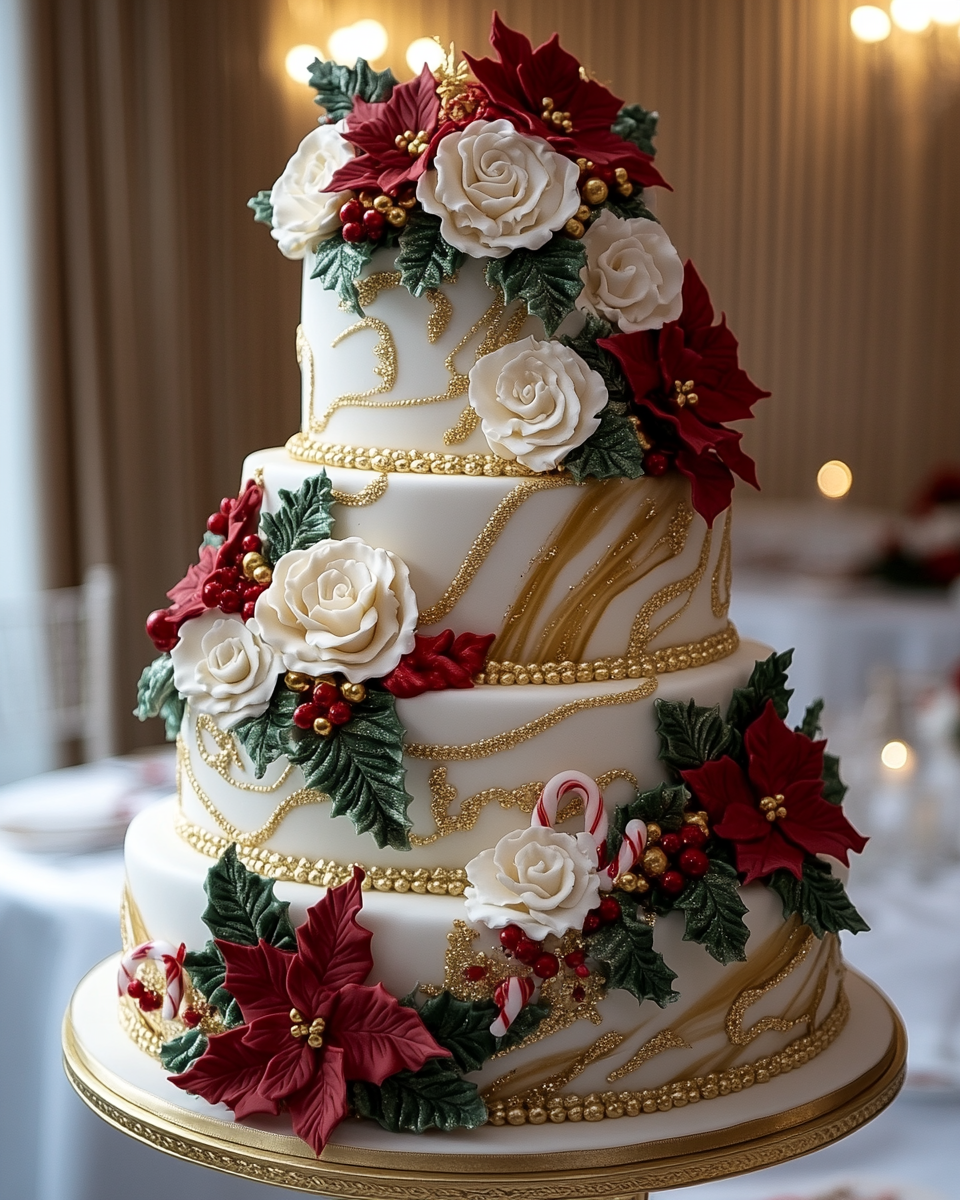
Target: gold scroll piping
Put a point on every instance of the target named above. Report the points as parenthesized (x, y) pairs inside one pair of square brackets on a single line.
[(666, 1039), (307, 448), (367, 495), (227, 756), (642, 633), (722, 578), (604, 1046), (385, 365), (800, 944)]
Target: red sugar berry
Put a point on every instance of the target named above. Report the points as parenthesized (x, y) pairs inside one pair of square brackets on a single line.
[(190, 1017), (325, 693), (226, 505), (374, 222), (579, 994), (546, 966), (694, 835), (135, 989), (671, 843), (510, 937), (150, 1001), (161, 629), (582, 972), (655, 463), (350, 212), (591, 923), (305, 715), (249, 608), (474, 972), (609, 909), (251, 544), (230, 601), (211, 593), (672, 882), (339, 713), (574, 958), (693, 862), (353, 232), (527, 951), (217, 523)]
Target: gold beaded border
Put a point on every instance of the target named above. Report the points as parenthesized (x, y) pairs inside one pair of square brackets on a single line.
[(286, 868), (524, 1110), (308, 448), (657, 662)]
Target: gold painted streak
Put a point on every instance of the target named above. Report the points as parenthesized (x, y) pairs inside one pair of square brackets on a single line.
[(227, 756), (641, 634), (564, 633), (722, 578), (305, 362), (737, 1035), (249, 839), (484, 543), (603, 1047), (286, 868), (306, 448), (443, 795), (367, 495), (516, 737), (666, 1039), (613, 1173), (385, 353)]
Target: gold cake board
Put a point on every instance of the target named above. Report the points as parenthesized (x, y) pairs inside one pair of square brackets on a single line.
[(389, 1171)]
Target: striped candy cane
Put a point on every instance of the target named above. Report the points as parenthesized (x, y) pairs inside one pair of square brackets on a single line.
[(172, 959), (510, 996), (567, 782), (631, 848)]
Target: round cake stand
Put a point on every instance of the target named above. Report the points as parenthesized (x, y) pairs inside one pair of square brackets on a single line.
[(853, 1080)]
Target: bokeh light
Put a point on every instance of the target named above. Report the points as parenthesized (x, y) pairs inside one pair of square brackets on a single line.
[(910, 15), (896, 755), (869, 23), (424, 51), (364, 39), (298, 61), (945, 12), (834, 479)]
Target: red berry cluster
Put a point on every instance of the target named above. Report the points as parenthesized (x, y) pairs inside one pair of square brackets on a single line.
[(148, 999), (655, 463), (529, 952), (684, 851), (367, 217), (229, 588), (329, 704), (606, 912)]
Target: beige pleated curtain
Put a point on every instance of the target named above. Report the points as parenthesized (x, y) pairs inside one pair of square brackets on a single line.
[(817, 187)]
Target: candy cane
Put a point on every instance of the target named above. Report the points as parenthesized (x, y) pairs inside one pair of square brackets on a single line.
[(595, 815), (631, 848), (172, 959), (510, 996)]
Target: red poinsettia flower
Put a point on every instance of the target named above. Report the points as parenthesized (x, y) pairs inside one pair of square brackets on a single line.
[(412, 110), (522, 83), (686, 383), (310, 1024), (774, 813), (439, 662)]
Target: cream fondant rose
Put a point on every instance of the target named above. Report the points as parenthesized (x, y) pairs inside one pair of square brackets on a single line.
[(496, 190), (339, 606), (303, 213), (537, 878), (633, 274), (536, 401), (224, 667)]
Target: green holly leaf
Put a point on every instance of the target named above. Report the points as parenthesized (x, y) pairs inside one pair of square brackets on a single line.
[(302, 520), (528, 1018), (611, 450), (242, 908), (810, 725), (818, 897), (637, 125), (691, 734), (664, 804), (714, 914), (768, 681), (338, 264), (208, 972), (834, 789), (180, 1053), (628, 207), (267, 737), (435, 1096), (360, 767), (598, 359), (262, 208), (546, 280), (337, 86), (462, 1027), (158, 697), (425, 259), (625, 948)]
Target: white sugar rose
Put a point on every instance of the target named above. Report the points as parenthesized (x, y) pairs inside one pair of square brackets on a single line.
[(303, 213), (633, 274), (496, 190), (536, 401), (537, 878), (339, 606), (224, 667)]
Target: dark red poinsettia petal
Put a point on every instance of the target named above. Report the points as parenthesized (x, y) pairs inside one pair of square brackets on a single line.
[(742, 823), (257, 977), (319, 1109), (816, 825), (779, 756), (291, 1068), (697, 312), (439, 662), (378, 1035), (187, 591), (711, 484), (333, 949), (228, 1072), (718, 784), (759, 858)]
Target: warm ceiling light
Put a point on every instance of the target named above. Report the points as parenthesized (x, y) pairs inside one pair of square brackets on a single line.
[(895, 755), (834, 479), (945, 12), (424, 52), (869, 23), (911, 15), (365, 39), (299, 60)]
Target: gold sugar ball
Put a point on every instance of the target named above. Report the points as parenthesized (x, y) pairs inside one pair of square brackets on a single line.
[(407, 201), (382, 203), (263, 575), (323, 728), (295, 681), (583, 212), (353, 693), (366, 199), (642, 885), (625, 189), (620, 175), (628, 882), (653, 832), (397, 217), (250, 562), (654, 862), (574, 228), (595, 191)]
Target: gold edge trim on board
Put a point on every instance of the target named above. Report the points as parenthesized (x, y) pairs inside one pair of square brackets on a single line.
[(353, 1172)]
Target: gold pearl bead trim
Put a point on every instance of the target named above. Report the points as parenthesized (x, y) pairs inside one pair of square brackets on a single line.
[(430, 881), (657, 662), (523, 1110), (307, 448)]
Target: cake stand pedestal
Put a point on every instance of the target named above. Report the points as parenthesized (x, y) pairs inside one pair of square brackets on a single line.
[(853, 1080)]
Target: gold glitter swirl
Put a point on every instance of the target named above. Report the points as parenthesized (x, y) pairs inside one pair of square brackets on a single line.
[(799, 945), (385, 353), (604, 1046), (370, 287), (227, 756), (467, 422), (666, 1039), (722, 578), (523, 733), (367, 495), (307, 448), (641, 634), (484, 543), (439, 319)]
